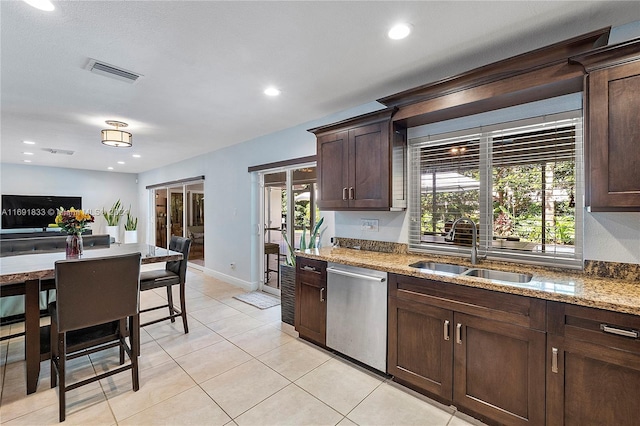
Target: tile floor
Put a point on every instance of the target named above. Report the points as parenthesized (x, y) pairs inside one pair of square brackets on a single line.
[(238, 365)]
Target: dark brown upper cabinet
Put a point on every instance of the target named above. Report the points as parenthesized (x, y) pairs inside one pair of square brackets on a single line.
[(361, 163), (612, 143)]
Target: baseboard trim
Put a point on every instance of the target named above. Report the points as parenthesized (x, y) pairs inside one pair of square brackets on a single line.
[(247, 285)]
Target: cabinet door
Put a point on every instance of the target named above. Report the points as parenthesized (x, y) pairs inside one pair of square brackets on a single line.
[(589, 384), (311, 309), (369, 166), (420, 346), (613, 147), (332, 150), (499, 370)]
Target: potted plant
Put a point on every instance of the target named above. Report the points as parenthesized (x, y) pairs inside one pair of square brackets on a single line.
[(131, 228), (288, 271), (112, 216)]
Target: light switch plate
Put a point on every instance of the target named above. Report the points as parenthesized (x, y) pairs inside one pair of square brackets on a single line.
[(369, 225)]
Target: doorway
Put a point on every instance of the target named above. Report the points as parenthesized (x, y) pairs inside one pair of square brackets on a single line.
[(285, 221), (179, 211)]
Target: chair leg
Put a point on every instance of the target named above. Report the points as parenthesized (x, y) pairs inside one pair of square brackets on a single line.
[(123, 334), (62, 358), (134, 340), (170, 300), (53, 344), (183, 307)]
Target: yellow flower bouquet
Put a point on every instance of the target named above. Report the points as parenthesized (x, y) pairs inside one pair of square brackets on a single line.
[(73, 221)]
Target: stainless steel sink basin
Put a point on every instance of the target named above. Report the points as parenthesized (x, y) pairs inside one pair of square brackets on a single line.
[(443, 268), (491, 274)]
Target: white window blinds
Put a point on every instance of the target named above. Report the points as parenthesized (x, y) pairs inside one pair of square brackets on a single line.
[(520, 182)]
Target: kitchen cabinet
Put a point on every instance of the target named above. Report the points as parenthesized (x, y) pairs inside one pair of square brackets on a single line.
[(612, 143), (483, 351), (361, 163), (593, 367), (311, 294)]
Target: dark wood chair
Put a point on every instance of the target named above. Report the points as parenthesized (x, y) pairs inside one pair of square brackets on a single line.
[(174, 273), (95, 298)]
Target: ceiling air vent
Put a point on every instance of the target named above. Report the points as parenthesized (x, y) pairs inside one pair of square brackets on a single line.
[(112, 71), (58, 151)]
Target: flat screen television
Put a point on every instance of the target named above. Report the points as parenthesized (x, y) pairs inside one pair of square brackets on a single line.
[(33, 211)]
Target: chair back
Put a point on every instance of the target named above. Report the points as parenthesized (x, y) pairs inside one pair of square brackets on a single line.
[(179, 267), (96, 291)]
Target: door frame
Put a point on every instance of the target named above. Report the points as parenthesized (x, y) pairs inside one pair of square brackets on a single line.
[(261, 216)]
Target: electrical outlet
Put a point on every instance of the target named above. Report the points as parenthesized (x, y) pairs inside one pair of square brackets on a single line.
[(232, 265), (369, 225)]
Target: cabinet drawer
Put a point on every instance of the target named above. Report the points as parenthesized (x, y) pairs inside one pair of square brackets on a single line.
[(519, 310), (311, 270), (606, 328)]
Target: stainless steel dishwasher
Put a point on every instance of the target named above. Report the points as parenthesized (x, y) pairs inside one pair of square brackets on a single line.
[(357, 314)]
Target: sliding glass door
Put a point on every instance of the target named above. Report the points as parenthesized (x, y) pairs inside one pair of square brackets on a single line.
[(179, 211)]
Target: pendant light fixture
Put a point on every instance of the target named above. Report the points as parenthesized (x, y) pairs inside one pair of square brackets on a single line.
[(116, 137)]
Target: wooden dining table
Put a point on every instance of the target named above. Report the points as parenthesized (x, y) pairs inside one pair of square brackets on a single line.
[(22, 274)]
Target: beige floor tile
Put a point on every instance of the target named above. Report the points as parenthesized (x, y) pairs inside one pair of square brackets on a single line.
[(201, 302), (290, 406), (156, 385), (178, 345), (168, 328), (222, 292), (192, 407), (207, 316), (151, 355), (340, 385), (461, 419), (295, 359), (286, 328), (232, 326), (239, 305), (261, 340), (268, 315), (346, 422), (242, 387), (87, 413), (208, 362), (388, 405)]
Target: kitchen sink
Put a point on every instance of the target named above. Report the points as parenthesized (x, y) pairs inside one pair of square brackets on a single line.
[(442, 268), (491, 274)]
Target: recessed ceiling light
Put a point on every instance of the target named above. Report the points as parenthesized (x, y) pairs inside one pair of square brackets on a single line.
[(120, 162), (109, 168), (28, 142), (399, 31), (27, 161), (271, 91), (136, 155), (45, 5), (28, 153)]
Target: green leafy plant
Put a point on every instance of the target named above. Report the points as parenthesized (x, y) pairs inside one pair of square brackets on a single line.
[(132, 221), (113, 215), (291, 257)]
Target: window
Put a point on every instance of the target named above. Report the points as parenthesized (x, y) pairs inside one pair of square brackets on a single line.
[(520, 182)]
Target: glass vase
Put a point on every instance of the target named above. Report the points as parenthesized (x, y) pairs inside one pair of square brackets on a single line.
[(74, 245)]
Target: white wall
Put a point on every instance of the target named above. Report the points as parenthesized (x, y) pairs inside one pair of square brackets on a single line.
[(98, 189), (232, 193)]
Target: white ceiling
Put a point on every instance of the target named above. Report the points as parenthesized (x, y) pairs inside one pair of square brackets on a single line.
[(206, 63)]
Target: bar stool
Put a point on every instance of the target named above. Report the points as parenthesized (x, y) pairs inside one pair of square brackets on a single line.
[(271, 248)]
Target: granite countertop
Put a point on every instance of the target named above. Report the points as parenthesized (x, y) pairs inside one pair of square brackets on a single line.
[(567, 286)]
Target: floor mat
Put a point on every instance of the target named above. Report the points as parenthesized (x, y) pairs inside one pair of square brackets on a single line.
[(259, 299)]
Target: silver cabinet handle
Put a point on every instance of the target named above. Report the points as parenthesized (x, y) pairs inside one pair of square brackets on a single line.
[(344, 194), (352, 195), (310, 269), (619, 332), (322, 294), (459, 333), (446, 329), (554, 360)]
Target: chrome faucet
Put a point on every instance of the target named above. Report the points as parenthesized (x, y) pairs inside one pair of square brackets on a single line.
[(474, 235)]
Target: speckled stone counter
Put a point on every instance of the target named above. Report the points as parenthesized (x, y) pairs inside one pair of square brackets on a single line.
[(620, 295)]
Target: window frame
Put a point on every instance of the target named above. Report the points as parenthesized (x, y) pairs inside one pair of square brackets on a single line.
[(485, 226)]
